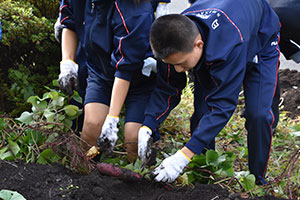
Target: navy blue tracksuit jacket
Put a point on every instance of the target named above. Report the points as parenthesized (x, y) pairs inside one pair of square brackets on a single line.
[(240, 48), (116, 40)]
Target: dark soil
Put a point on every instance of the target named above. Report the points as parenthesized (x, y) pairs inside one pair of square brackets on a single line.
[(290, 92), (43, 182), (54, 182)]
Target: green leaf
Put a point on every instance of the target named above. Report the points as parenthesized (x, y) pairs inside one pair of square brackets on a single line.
[(4, 153), (212, 157), (248, 182), (71, 110), (13, 147), (47, 156), (76, 97), (10, 195), (33, 100), (49, 115), (55, 82), (59, 101), (26, 117), (200, 160)]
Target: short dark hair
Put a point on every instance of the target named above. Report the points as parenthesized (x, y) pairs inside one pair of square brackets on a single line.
[(172, 33)]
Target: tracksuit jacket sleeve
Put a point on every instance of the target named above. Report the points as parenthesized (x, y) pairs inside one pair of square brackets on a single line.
[(66, 15), (166, 95), (131, 42), (227, 76)]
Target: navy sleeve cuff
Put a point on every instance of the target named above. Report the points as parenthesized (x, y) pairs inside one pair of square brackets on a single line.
[(126, 75), (150, 122), (195, 145)]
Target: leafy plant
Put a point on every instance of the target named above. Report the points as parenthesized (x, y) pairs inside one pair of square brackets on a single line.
[(10, 195)]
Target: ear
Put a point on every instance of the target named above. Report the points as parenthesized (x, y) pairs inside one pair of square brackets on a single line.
[(198, 43)]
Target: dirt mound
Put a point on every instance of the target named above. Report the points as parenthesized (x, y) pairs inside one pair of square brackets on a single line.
[(54, 182)]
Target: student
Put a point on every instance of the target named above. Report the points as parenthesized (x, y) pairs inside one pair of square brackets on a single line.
[(73, 70), (225, 44), (116, 45)]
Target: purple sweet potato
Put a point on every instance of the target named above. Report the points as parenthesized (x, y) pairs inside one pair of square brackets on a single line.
[(120, 173)]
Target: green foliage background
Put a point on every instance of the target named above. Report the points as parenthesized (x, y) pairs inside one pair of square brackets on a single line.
[(29, 53)]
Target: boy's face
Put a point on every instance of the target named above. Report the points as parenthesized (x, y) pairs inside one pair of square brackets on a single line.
[(183, 61)]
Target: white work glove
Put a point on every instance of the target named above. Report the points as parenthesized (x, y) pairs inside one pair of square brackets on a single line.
[(109, 134), (144, 143), (57, 30), (161, 9), (68, 77), (149, 66), (171, 167)]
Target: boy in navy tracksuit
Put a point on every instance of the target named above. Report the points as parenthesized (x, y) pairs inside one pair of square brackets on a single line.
[(119, 65), (112, 31), (225, 44)]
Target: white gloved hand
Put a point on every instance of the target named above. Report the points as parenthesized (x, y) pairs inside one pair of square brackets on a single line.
[(162, 9), (68, 77), (109, 134), (57, 30), (171, 167), (144, 143), (149, 66)]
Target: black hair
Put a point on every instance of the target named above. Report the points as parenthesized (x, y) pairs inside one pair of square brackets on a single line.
[(172, 33)]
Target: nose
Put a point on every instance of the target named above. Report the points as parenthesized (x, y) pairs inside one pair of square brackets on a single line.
[(178, 68)]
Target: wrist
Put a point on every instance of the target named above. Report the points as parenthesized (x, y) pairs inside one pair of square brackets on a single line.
[(147, 128), (187, 153), (113, 116)]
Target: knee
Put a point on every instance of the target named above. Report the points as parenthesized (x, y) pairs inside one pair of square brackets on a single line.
[(131, 145), (256, 116), (91, 131)]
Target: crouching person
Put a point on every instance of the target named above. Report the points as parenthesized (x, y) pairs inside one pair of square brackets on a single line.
[(225, 48)]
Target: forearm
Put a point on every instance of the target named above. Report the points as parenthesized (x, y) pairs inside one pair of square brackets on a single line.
[(69, 44), (118, 96)]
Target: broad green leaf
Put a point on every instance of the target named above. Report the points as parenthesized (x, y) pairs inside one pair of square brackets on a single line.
[(11, 195), (4, 153), (49, 115), (59, 101), (71, 110), (212, 157), (47, 156), (41, 104), (13, 147), (33, 100), (76, 97), (7, 156), (248, 182), (26, 117)]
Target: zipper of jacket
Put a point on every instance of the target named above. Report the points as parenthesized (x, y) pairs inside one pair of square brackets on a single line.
[(90, 39)]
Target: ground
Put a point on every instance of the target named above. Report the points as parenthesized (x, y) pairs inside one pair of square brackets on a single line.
[(54, 182)]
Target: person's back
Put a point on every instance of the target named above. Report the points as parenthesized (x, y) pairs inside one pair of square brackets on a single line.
[(254, 26)]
